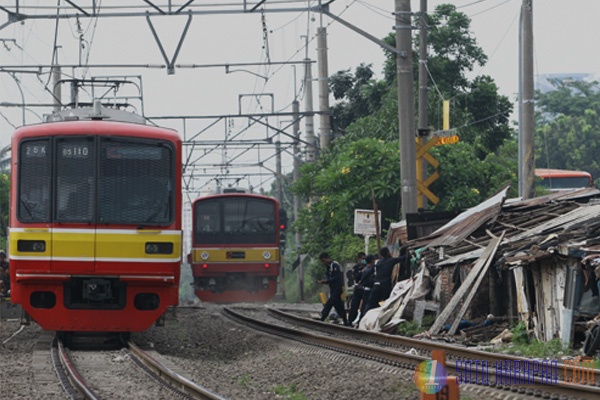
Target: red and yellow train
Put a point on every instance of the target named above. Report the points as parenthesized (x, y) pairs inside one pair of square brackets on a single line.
[(237, 241), (95, 221)]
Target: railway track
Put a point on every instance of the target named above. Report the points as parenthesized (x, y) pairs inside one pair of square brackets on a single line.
[(380, 349), (566, 372), (108, 374)]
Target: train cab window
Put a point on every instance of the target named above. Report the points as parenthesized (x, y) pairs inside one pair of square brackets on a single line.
[(231, 219), (208, 218), (142, 170), (75, 172), (249, 216), (35, 177), (96, 180)]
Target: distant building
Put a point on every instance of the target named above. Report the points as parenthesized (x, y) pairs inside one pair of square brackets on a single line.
[(544, 85)]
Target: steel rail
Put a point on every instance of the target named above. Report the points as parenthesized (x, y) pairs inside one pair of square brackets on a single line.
[(452, 352), (177, 381), (73, 375)]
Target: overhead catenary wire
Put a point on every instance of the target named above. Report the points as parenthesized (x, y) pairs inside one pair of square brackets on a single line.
[(91, 29), (377, 10)]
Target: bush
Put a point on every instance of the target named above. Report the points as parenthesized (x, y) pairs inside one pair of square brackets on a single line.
[(409, 328), (520, 335)]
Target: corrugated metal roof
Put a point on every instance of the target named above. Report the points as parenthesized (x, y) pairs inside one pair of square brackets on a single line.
[(467, 222), (563, 222), (552, 197), (566, 217)]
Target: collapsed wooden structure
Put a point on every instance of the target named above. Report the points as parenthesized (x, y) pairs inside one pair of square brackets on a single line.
[(534, 260)]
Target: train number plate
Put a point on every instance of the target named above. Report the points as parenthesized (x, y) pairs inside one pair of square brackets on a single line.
[(236, 254)]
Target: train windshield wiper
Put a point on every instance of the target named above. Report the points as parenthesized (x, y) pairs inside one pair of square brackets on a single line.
[(26, 206)]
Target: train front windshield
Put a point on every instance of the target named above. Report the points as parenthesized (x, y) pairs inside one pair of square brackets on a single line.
[(97, 180), (235, 220)]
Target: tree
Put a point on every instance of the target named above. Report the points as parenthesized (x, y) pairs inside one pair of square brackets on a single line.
[(365, 151), (568, 127), (340, 182), (358, 93)]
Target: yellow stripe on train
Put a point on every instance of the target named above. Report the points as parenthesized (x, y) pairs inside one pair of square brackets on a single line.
[(89, 243), (241, 255)]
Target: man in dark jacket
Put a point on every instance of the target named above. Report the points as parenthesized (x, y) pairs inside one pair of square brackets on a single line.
[(367, 279), (335, 280), (383, 277), (357, 293)]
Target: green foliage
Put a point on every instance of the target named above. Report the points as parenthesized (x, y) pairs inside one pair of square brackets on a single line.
[(244, 380), (520, 335), (364, 156), (289, 392), (465, 180), (358, 93), (341, 181), (409, 328), (552, 349), (313, 272), (568, 127)]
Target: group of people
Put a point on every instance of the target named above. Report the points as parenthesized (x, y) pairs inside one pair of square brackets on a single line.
[(4, 275), (373, 278)]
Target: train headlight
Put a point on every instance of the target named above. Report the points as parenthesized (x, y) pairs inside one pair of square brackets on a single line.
[(35, 246), (159, 248), (266, 255), (204, 255)]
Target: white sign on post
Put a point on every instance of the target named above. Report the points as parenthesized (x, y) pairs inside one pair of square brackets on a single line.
[(364, 222)]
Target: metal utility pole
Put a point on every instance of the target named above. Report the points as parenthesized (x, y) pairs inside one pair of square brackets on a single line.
[(406, 107), (325, 125), (423, 81), (526, 103)]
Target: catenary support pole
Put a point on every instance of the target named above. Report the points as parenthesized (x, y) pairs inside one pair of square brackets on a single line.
[(406, 107), (527, 170)]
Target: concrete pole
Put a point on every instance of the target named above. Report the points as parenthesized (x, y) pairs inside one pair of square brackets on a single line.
[(311, 154), (278, 172), (296, 175), (527, 125), (297, 164), (279, 185), (56, 88), (325, 124), (423, 81), (406, 107)]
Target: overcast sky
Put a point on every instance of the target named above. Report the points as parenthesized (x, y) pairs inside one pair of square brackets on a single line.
[(564, 37)]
